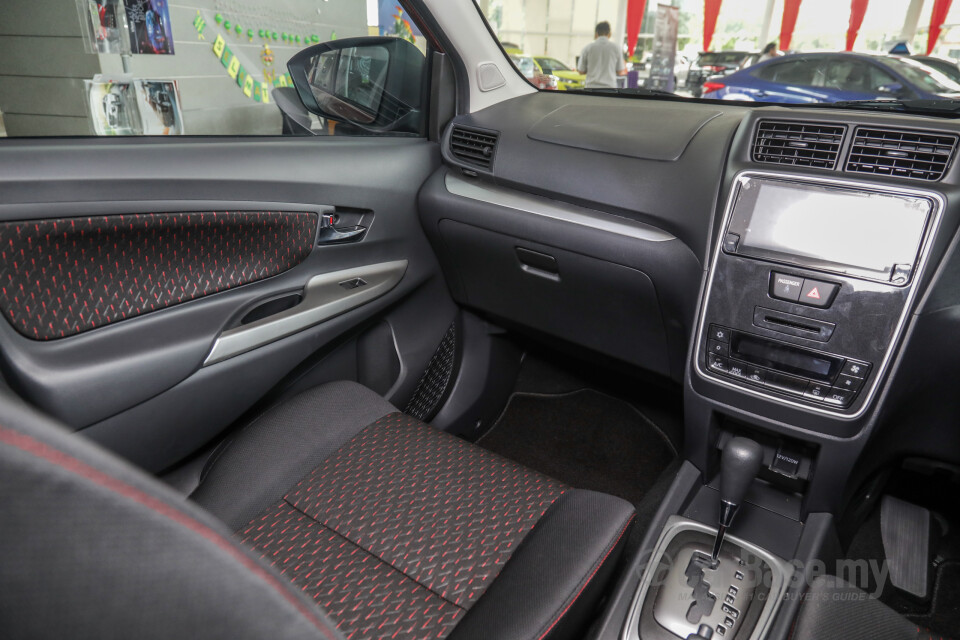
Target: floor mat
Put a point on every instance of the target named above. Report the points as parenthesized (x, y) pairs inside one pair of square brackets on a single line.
[(942, 613), (584, 438)]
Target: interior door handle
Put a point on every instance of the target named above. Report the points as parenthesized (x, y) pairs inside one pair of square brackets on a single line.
[(340, 235)]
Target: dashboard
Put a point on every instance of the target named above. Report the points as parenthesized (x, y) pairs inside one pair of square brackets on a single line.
[(795, 269)]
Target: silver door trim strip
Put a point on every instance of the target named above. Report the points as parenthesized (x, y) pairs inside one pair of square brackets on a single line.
[(323, 299), (519, 201)]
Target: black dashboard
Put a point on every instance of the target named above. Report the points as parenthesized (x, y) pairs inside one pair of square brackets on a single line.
[(795, 268)]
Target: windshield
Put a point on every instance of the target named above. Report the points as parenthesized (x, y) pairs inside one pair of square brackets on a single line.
[(765, 51)]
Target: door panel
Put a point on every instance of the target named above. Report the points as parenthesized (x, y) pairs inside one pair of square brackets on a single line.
[(138, 383)]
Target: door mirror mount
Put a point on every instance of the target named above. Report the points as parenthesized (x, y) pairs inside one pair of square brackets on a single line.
[(372, 83)]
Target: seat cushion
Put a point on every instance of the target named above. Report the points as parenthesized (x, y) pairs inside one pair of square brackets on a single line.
[(404, 531)]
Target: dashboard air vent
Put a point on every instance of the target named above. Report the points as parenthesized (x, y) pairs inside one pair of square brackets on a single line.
[(473, 146), (803, 144), (923, 155)]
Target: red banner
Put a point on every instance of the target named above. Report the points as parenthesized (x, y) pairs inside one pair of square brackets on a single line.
[(635, 12), (857, 9), (937, 16), (711, 9), (790, 10)]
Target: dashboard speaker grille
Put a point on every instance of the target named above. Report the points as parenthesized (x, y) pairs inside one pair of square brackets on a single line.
[(922, 155), (473, 146), (804, 144)]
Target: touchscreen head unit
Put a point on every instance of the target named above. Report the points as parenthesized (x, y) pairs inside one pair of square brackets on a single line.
[(845, 230)]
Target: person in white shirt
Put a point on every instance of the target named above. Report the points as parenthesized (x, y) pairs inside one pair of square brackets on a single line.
[(602, 60)]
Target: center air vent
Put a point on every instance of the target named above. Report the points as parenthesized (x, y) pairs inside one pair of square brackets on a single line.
[(802, 144), (473, 146), (923, 155)]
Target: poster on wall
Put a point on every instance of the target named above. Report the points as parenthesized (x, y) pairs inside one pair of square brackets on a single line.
[(148, 23), (159, 107), (664, 56), (113, 107), (104, 26)]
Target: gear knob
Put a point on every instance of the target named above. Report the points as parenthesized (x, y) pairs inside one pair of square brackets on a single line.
[(739, 464)]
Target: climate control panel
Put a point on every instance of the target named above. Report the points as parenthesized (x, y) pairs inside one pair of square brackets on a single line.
[(813, 376)]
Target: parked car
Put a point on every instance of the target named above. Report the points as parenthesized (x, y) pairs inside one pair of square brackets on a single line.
[(567, 78), (530, 70), (712, 63), (948, 68), (832, 77)]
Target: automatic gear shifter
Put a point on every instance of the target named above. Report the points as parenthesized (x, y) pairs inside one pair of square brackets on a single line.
[(739, 464)]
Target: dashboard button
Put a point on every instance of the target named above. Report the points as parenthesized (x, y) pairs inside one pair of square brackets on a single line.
[(738, 369), (848, 383), (718, 363), (818, 294), (856, 369), (718, 348), (756, 375), (730, 242), (785, 287), (839, 397), (786, 383), (816, 391), (718, 333)]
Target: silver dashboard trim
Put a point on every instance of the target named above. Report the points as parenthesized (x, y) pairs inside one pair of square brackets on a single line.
[(781, 572), (547, 208), (323, 299), (881, 371)]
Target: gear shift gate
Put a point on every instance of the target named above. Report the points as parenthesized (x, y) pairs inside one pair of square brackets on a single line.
[(696, 590)]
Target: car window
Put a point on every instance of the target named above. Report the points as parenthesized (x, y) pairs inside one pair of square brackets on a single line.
[(854, 75), (726, 58), (549, 65), (801, 72), (925, 77), (159, 67)]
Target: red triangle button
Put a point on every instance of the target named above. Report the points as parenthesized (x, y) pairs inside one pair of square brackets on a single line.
[(814, 293)]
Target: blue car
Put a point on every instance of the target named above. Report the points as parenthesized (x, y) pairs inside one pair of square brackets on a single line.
[(832, 77)]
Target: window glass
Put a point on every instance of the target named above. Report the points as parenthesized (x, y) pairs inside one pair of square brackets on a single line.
[(549, 65), (792, 72), (679, 48), (178, 67), (853, 75)]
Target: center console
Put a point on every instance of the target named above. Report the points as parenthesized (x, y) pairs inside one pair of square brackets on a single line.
[(810, 288)]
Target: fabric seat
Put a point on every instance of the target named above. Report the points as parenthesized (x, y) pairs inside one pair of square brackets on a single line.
[(392, 526), (358, 518)]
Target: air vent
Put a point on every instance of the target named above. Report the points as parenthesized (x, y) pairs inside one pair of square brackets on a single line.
[(803, 144), (903, 154), (473, 146)]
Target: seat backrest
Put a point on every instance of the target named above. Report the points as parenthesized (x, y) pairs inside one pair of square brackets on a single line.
[(92, 547)]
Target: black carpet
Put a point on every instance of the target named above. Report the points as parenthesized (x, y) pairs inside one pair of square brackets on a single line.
[(942, 613), (584, 438)]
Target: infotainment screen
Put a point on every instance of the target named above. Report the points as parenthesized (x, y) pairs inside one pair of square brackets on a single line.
[(841, 229)]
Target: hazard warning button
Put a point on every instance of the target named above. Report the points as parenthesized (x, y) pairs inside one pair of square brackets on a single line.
[(817, 294)]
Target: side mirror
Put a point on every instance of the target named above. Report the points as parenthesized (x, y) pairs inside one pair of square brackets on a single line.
[(892, 89), (372, 83)]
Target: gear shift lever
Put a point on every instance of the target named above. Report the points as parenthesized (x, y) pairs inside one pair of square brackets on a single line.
[(739, 464)]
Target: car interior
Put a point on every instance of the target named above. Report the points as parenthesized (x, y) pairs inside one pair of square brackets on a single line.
[(495, 363)]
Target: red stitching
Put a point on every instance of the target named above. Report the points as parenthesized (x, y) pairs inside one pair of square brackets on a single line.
[(589, 578), (35, 447)]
